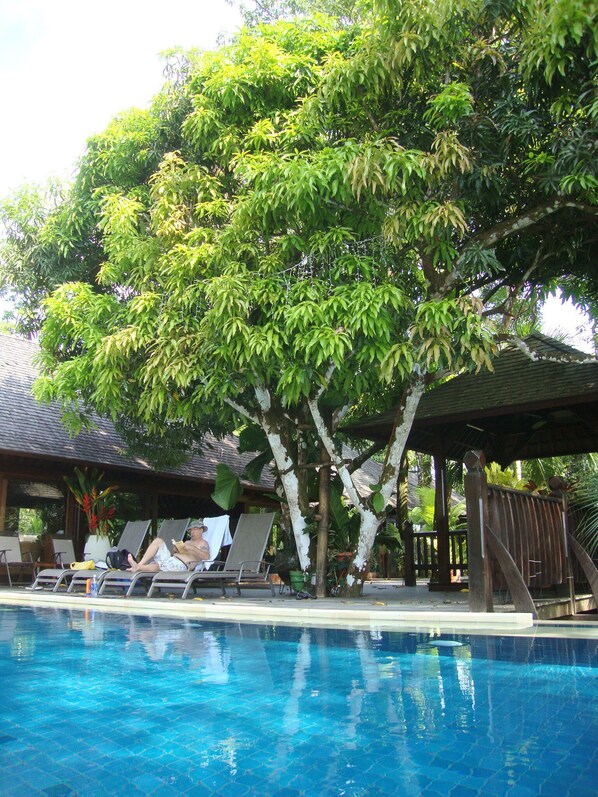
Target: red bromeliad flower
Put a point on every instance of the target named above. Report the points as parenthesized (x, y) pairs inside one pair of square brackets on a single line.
[(91, 496)]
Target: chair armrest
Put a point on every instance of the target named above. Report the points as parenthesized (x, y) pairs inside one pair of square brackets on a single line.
[(219, 564), (260, 566)]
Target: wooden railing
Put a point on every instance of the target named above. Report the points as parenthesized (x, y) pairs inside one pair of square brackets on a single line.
[(531, 527), (425, 554), (516, 540)]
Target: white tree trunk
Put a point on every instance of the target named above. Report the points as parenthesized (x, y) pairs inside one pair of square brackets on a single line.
[(370, 522), (288, 477), (290, 483), (396, 445)]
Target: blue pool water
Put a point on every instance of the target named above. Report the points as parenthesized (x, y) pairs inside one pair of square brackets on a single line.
[(97, 703)]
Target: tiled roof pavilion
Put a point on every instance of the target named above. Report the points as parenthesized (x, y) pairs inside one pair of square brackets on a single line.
[(524, 409), (34, 445), (34, 442)]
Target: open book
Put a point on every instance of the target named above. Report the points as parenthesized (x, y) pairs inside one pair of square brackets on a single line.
[(179, 547)]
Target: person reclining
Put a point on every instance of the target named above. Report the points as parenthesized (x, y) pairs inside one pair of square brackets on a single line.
[(158, 557)]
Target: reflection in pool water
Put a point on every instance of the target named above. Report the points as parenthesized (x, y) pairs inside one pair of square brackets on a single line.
[(107, 704)]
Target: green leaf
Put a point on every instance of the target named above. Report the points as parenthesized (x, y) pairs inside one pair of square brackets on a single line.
[(227, 489), (253, 470), (252, 438), (378, 503)]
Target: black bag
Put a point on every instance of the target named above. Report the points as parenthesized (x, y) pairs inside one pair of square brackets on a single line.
[(118, 560)]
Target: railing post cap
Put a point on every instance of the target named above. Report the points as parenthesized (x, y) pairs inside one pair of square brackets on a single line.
[(474, 460)]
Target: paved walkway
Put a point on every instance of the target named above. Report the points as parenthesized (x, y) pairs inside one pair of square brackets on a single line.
[(384, 604)]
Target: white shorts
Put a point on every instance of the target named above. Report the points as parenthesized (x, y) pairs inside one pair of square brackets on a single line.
[(166, 561)]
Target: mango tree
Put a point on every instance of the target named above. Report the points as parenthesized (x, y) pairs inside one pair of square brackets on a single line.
[(347, 215)]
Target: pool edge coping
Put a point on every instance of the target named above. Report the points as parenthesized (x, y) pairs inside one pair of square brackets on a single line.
[(250, 612), (381, 618)]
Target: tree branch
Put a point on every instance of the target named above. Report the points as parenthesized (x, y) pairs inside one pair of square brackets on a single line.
[(503, 230), (241, 410), (536, 356), (358, 461), (335, 458)]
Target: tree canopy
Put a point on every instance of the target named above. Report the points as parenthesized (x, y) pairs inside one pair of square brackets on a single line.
[(319, 220)]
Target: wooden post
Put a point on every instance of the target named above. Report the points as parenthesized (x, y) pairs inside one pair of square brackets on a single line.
[(476, 497), (72, 524), (557, 484), (3, 497), (154, 513), (409, 557), (403, 523), (441, 521), (323, 524)]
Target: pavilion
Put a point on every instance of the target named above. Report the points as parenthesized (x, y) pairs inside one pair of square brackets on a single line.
[(36, 452), (541, 400)]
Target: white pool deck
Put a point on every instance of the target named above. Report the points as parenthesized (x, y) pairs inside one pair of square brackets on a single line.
[(384, 605)]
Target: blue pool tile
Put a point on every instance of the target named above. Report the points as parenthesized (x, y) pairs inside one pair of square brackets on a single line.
[(5, 738), (290, 712), (60, 790), (200, 790), (519, 790)]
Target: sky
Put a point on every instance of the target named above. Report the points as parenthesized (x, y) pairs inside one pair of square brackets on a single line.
[(562, 318), (67, 67)]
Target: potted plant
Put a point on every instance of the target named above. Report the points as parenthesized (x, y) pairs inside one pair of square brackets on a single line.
[(343, 535), (285, 564), (97, 503), (390, 551)]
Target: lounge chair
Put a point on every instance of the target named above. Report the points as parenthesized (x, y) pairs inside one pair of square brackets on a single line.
[(63, 551), (11, 556), (217, 535), (172, 529), (244, 564), (131, 538)]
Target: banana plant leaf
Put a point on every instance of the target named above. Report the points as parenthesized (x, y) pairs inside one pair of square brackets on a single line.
[(252, 438), (253, 469), (344, 524), (227, 488)]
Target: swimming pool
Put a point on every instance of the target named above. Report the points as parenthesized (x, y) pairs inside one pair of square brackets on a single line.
[(96, 703)]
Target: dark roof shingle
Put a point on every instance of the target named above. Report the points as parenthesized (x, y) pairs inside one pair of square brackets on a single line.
[(27, 427), (524, 409)]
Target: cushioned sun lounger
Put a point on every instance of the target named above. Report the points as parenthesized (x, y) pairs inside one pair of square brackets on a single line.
[(131, 538), (244, 564), (217, 535)]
